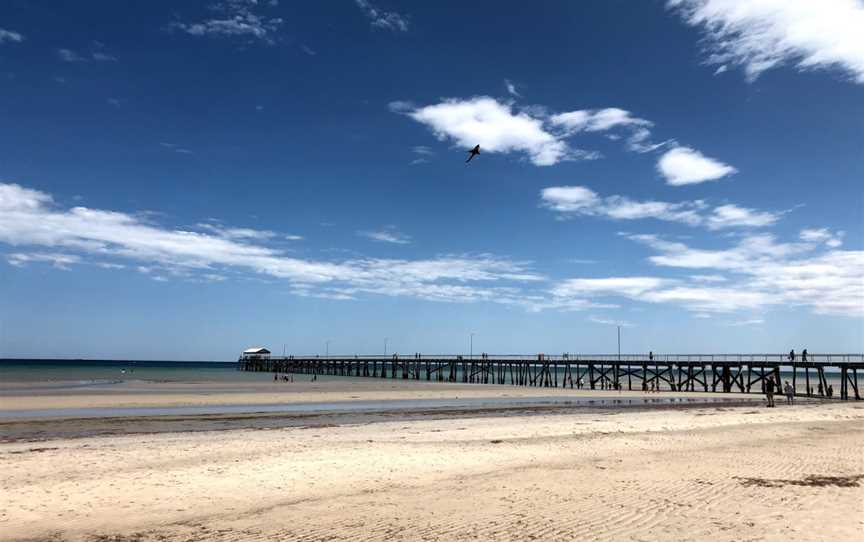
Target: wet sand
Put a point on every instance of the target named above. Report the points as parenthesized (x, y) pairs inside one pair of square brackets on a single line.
[(264, 391), (542, 472)]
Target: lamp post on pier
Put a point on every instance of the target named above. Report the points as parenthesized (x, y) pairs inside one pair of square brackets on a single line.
[(327, 349), (385, 345), (471, 346)]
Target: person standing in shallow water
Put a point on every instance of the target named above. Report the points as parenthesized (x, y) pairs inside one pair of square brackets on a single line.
[(769, 391), (790, 393)]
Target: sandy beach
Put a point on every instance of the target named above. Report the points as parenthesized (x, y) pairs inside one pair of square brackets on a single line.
[(529, 473)]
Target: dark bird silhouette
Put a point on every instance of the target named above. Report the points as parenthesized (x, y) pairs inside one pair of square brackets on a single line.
[(474, 152)]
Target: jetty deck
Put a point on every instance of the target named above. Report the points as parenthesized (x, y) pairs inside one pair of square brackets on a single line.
[(722, 373)]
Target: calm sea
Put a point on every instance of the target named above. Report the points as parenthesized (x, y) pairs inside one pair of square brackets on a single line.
[(89, 372)]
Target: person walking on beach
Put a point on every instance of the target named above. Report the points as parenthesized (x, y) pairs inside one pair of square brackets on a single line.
[(830, 390), (819, 388), (769, 391), (790, 393)]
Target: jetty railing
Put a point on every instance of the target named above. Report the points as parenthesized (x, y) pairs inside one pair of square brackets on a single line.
[(724, 373)]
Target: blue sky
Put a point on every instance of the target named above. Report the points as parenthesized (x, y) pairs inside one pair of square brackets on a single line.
[(184, 181)]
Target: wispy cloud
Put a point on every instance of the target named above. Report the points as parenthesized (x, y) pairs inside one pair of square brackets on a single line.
[(30, 218), (236, 18), (767, 272), (764, 34), (611, 118), (759, 271), (751, 322), (422, 153), (236, 233), (511, 88), (823, 235), (569, 201), (95, 54), (388, 20), (683, 165), (609, 321), (8, 36), (58, 260), (175, 147), (387, 235)]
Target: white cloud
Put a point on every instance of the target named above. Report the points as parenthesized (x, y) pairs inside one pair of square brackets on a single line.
[(579, 200), (294, 237), (609, 321), (602, 120), (597, 120), (387, 235), (763, 34), (511, 89), (496, 127), (769, 273), (388, 20), (176, 148), (627, 286), (95, 54), (10, 36), (423, 153), (492, 125), (68, 55), (235, 18), (759, 271), (731, 216), (30, 218), (683, 165), (823, 235), (422, 150), (709, 299), (751, 322), (58, 260), (237, 233)]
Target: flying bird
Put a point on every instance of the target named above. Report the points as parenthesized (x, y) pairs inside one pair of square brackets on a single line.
[(474, 152)]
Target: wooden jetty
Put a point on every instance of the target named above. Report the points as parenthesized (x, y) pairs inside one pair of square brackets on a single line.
[(725, 373)]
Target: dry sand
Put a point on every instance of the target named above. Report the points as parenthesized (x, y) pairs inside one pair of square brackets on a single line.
[(720, 473)]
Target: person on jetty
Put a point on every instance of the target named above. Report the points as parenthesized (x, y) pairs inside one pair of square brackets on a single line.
[(792, 355), (804, 355), (769, 391), (790, 393)]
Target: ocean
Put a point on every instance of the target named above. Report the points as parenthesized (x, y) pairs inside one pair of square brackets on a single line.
[(20, 372)]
